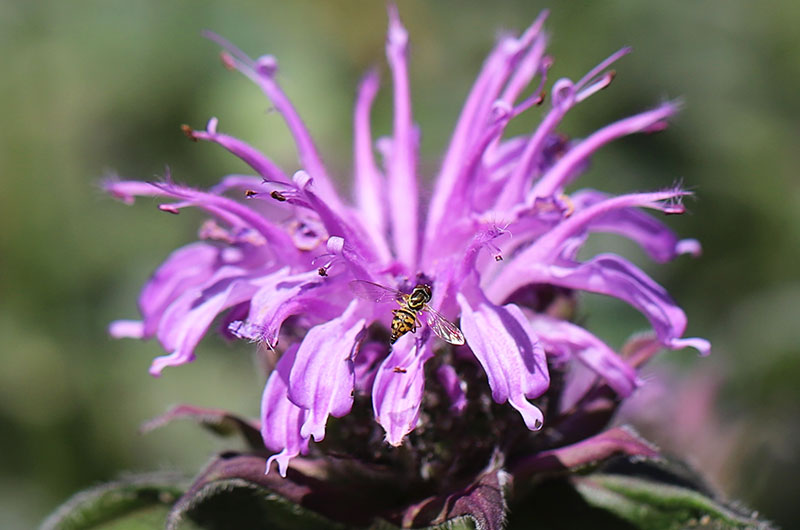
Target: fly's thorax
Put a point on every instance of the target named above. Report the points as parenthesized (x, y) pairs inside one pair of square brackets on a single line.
[(420, 296)]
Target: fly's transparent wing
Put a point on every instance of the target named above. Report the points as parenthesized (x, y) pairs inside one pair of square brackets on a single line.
[(444, 329), (375, 292)]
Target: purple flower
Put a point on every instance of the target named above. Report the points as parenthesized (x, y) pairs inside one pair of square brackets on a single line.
[(497, 243)]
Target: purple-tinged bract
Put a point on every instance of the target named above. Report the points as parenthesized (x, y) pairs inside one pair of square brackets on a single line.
[(498, 243)]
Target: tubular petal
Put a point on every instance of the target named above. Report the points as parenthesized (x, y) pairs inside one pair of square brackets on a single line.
[(510, 354), (402, 181), (566, 339), (613, 276), (398, 387), (281, 419), (322, 377), (564, 170), (659, 241), (187, 319)]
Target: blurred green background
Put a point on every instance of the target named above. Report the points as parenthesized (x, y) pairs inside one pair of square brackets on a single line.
[(103, 86)]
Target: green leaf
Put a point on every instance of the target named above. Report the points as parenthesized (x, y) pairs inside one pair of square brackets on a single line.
[(233, 492), (629, 493), (654, 505), (134, 503), (238, 503)]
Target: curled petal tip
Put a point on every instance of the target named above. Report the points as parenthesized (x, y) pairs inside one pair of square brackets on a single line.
[(211, 126), (398, 36), (302, 179), (701, 345), (282, 460), (266, 65), (128, 329), (563, 92), (689, 246), (335, 244), (501, 109)]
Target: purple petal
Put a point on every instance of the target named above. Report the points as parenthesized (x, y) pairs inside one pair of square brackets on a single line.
[(282, 420), (369, 357), (402, 181), (453, 386), (566, 339), (563, 241), (560, 174), (660, 242), (281, 295), (262, 72), (244, 151), (219, 421), (370, 184), (127, 329), (517, 183), (565, 96), (235, 181), (510, 353), (128, 190), (398, 387), (473, 120), (186, 268), (322, 377), (227, 210), (346, 227), (187, 319), (613, 276), (619, 440)]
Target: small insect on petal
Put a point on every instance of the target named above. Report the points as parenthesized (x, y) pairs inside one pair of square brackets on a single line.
[(412, 307)]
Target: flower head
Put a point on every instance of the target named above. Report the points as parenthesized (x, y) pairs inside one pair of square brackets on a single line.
[(497, 245)]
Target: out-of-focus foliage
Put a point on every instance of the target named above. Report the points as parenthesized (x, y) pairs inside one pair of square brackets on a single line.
[(103, 86)]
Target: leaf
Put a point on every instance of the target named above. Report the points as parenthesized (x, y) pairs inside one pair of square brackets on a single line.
[(234, 492), (237, 503), (629, 493), (219, 422), (555, 504), (650, 504), (134, 503)]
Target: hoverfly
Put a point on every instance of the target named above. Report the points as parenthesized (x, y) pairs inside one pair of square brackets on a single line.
[(412, 306)]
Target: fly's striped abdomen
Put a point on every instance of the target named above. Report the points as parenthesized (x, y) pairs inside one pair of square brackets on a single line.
[(404, 320)]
